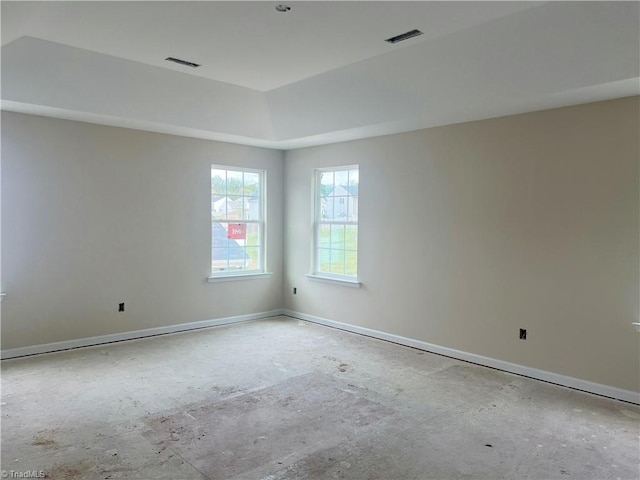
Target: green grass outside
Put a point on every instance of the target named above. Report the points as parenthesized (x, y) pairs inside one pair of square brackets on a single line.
[(338, 249)]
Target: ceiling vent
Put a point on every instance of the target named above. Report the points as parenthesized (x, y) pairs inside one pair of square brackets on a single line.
[(182, 62), (404, 36)]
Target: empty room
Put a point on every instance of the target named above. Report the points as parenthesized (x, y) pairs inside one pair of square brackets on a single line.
[(320, 240)]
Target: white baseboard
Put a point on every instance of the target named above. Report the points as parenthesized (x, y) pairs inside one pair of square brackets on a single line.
[(118, 337), (555, 378)]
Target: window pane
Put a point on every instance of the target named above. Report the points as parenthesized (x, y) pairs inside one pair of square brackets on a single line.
[(234, 207), (218, 181), (253, 258), (352, 208), (330, 208), (324, 260), (326, 183), (252, 208), (237, 255), (219, 208), (340, 208), (337, 237), (234, 182), (253, 235), (219, 236), (353, 195), (341, 178), (220, 257), (351, 263), (351, 237), (337, 262), (252, 184), (354, 177), (325, 236)]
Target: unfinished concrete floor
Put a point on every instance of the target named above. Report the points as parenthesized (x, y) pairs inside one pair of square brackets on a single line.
[(282, 399)]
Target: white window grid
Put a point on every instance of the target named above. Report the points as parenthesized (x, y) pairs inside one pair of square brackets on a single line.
[(261, 221), (320, 222)]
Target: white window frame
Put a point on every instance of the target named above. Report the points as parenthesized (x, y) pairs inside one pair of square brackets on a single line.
[(349, 280), (261, 271)]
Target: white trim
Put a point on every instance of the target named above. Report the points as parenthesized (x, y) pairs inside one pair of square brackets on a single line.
[(119, 337), (563, 380), (241, 276), (635, 324), (336, 281)]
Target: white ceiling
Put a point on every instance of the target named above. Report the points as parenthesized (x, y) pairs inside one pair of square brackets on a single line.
[(318, 74), (244, 43)]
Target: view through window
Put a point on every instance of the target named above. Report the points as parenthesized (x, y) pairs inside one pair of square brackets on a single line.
[(237, 220), (336, 222)]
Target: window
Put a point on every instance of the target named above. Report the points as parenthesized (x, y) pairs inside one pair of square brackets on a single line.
[(336, 223), (237, 221)]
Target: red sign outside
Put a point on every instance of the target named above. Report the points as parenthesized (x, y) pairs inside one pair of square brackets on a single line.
[(237, 231)]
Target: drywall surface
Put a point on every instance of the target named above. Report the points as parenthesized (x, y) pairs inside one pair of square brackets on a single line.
[(69, 79), (93, 216), (470, 232)]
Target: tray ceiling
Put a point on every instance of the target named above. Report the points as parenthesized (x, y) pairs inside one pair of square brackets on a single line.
[(319, 73)]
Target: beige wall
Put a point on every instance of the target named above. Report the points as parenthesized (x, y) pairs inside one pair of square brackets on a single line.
[(467, 233), (472, 231), (93, 216)]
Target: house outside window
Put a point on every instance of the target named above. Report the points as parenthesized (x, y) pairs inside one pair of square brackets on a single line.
[(237, 221), (336, 223)]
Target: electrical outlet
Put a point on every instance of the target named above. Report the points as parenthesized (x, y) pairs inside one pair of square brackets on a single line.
[(121, 307), (295, 291), (523, 334)]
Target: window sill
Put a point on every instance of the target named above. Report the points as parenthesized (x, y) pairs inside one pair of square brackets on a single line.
[(242, 276), (335, 281)]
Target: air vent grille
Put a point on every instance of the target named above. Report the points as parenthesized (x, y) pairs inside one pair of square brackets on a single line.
[(404, 36), (182, 62)]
